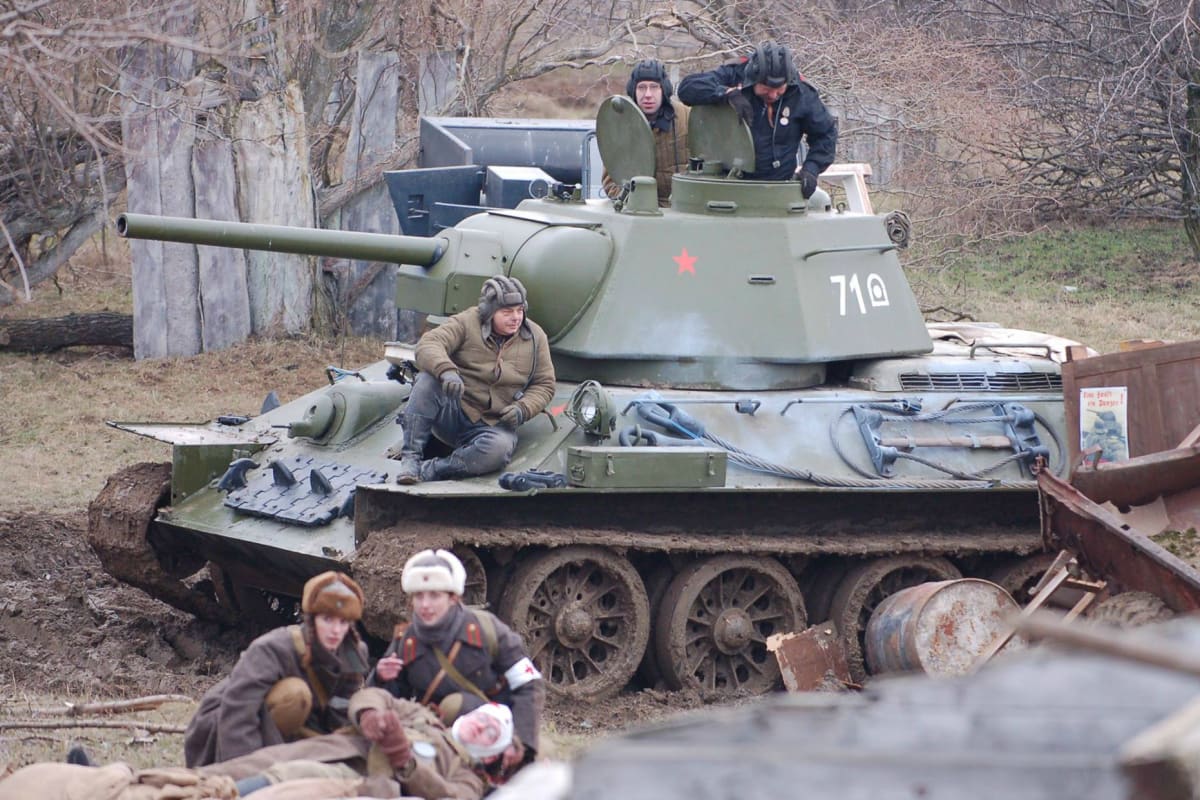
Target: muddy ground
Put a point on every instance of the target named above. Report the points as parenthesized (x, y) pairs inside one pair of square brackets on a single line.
[(69, 633)]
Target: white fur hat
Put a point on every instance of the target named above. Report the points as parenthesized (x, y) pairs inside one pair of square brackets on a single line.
[(434, 571), (498, 712)]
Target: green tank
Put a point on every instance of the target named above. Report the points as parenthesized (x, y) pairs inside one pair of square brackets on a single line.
[(754, 430)]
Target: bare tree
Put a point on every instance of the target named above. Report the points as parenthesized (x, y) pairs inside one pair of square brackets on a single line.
[(1108, 101), (271, 93), (58, 133)]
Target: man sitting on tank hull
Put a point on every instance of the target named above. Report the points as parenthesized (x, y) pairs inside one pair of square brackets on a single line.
[(483, 373), (780, 108)]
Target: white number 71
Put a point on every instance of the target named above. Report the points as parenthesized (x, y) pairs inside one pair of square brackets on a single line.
[(875, 290)]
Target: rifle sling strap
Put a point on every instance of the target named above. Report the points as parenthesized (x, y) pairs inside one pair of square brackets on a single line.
[(320, 695), (448, 668)]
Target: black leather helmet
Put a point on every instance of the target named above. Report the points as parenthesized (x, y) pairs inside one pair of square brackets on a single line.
[(649, 70), (770, 63)]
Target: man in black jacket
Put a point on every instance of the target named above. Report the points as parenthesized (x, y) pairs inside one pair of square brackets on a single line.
[(779, 107)]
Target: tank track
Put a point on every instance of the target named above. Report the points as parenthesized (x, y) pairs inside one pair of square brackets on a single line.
[(119, 524)]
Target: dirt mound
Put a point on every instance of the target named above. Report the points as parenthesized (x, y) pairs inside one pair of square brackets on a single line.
[(67, 627), (70, 632)]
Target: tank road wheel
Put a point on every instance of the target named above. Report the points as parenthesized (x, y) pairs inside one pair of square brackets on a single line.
[(120, 529), (714, 619), (477, 582), (865, 587), (1020, 576), (584, 616), (656, 586)]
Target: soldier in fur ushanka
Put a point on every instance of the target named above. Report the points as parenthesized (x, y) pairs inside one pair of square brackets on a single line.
[(458, 658)]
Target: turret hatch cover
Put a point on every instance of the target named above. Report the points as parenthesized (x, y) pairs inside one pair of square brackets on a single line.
[(625, 140), (717, 135)]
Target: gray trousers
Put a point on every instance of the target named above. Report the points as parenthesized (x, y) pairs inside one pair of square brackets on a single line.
[(479, 448)]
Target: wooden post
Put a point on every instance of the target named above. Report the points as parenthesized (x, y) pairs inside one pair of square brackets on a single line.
[(369, 289), (157, 131), (275, 188), (224, 298)]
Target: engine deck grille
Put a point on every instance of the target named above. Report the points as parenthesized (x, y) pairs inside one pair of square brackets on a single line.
[(981, 382)]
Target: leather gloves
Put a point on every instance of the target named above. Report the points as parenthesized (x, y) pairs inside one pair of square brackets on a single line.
[(452, 385), (511, 417), (741, 105), (371, 723), (808, 182), (384, 729)]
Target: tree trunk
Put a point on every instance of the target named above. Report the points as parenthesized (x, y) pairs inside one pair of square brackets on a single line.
[(1190, 150), (50, 334)]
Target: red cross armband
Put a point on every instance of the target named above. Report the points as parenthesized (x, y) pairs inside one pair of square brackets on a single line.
[(521, 673)]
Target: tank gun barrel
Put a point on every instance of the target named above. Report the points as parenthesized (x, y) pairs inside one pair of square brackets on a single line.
[(386, 248)]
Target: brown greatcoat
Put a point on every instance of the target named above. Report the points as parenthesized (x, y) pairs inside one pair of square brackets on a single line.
[(58, 781), (232, 719), (492, 374), (448, 774), (670, 156), (475, 663)]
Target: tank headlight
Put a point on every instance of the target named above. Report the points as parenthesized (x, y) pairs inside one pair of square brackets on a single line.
[(591, 408)]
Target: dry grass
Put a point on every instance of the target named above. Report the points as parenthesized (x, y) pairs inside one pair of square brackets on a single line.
[(57, 448), (1101, 286), (132, 746)]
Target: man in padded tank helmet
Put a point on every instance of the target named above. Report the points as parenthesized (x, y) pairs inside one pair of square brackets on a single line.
[(780, 108), (483, 373), (651, 89)]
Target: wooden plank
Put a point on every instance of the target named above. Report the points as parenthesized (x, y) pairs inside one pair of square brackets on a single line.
[(369, 288), (1192, 438), (1160, 761), (224, 298), (1164, 393), (274, 187), (157, 130), (181, 276), (138, 126)]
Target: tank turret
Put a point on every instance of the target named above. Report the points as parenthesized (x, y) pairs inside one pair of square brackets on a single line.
[(744, 286), (753, 429)]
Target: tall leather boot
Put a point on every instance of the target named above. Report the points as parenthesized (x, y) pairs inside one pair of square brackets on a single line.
[(443, 469), (417, 431)]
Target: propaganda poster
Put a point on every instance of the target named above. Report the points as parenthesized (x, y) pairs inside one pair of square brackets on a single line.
[(1103, 421)]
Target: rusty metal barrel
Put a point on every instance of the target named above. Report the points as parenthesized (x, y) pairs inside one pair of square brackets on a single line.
[(939, 628)]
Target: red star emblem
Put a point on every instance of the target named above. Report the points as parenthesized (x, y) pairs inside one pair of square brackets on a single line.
[(686, 263)]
